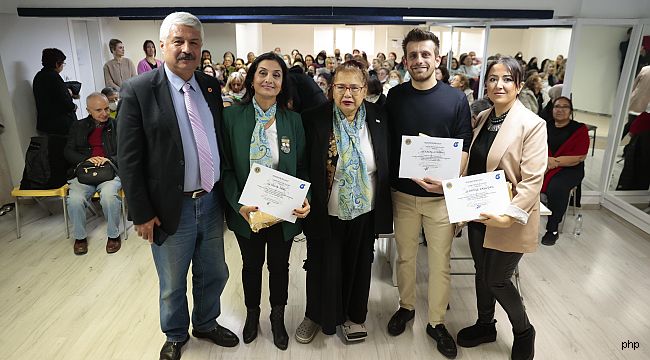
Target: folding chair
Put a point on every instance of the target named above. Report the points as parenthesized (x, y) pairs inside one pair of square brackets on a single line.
[(61, 193)]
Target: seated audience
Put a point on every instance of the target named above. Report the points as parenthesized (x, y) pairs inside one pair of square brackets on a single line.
[(382, 75), (532, 65), (250, 57), (113, 96), (467, 68), (209, 70), (234, 90), (532, 96), (309, 60), (568, 145), (94, 139), (442, 74), (394, 78), (324, 82), (375, 93), (461, 82)]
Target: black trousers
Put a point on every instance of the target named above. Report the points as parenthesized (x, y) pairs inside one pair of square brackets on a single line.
[(338, 272), (494, 269), (557, 192), (277, 258)]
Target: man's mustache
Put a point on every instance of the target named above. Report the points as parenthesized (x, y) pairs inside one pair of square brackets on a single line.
[(186, 56)]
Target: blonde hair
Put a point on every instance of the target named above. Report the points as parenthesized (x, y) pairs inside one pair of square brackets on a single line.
[(236, 75)]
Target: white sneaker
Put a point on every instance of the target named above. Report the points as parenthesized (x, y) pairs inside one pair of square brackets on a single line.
[(306, 331), (354, 331)]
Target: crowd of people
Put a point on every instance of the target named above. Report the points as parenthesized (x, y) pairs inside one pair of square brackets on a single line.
[(189, 129)]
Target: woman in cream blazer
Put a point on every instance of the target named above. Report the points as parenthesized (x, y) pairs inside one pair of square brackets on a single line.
[(511, 138)]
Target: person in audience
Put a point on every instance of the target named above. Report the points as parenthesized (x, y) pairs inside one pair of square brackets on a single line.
[(209, 70), (532, 96), (119, 68), (234, 90), (205, 62), (309, 60), (477, 107), (250, 57), (170, 165), (55, 109), (498, 241), (228, 63), (337, 56), (467, 68), (392, 56), (532, 65), (324, 82), (149, 62), (454, 67), (113, 96), (355, 52), (55, 112), (305, 93), (559, 60), (550, 72), (388, 64), (239, 64), (381, 56), (330, 64), (376, 65), (320, 58), (220, 74), (461, 82), (442, 74), (382, 75), (425, 106), (94, 139), (472, 55), (261, 123), (278, 51), (375, 93), (347, 57), (348, 166), (568, 145), (393, 79), (311, 71), (553, 93), (287, 60), (298, 58), (205, 54)]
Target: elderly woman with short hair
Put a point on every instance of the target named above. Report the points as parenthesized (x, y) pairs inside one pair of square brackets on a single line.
[(348, 166)]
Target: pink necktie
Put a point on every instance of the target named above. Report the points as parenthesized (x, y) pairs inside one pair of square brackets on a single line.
[(206, 166)]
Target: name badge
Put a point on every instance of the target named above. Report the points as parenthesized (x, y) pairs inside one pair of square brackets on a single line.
[(285, 145)]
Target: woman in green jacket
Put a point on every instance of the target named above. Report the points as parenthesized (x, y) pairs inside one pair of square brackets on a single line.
[(261, 130)]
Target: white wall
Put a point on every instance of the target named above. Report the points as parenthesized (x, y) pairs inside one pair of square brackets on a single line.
[(287, 37), (597, 68), (542, 43), (248, 39)]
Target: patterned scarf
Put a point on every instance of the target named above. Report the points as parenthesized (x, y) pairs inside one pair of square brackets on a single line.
[(260, 147), (354, 186)]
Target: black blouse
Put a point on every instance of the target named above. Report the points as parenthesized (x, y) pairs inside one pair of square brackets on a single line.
[(480, 149)]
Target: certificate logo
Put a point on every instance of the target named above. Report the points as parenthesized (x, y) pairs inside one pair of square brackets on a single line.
[(449, 185), (455, 143), (302, 186), (257, 170), (407, 141), (497, 176)]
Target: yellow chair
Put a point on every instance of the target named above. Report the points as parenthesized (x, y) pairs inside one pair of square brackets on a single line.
[(61, 193)]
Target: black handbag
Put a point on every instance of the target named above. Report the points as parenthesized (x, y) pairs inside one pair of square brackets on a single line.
[(91, 174)]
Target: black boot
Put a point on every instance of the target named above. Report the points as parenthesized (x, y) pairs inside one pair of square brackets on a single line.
[(251, 325), (523, 348), (280, 336), (477, 334)]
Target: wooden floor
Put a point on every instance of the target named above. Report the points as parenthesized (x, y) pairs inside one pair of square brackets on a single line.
[(585, 296)]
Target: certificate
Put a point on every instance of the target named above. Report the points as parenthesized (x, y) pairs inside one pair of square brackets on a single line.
[(423, 156), (467, 197), (274, 192)]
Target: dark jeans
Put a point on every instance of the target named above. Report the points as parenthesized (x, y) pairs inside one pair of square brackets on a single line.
[(557, 192), (355, 238), (494, 269), (277, 257)]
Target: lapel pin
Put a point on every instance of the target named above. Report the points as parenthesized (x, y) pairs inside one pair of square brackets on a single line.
[(285, 145), (377, 120), (209, 89)]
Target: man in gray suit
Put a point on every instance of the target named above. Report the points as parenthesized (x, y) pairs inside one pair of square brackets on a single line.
[(169, 144)]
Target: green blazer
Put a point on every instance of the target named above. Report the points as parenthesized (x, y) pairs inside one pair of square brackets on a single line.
[(239, 122)]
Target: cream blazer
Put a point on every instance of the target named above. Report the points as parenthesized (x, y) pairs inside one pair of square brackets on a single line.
[(521, 151)]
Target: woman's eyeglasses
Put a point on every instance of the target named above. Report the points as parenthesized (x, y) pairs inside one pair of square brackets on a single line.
[(354, 89)]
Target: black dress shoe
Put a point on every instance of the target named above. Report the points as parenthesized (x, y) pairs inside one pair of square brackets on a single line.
[(172, 350), (397, 323), (219, 335), (446, 344), (280, 336), (251, 325)]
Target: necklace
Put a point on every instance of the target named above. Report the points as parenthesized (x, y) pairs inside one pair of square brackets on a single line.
[(496, 121)]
